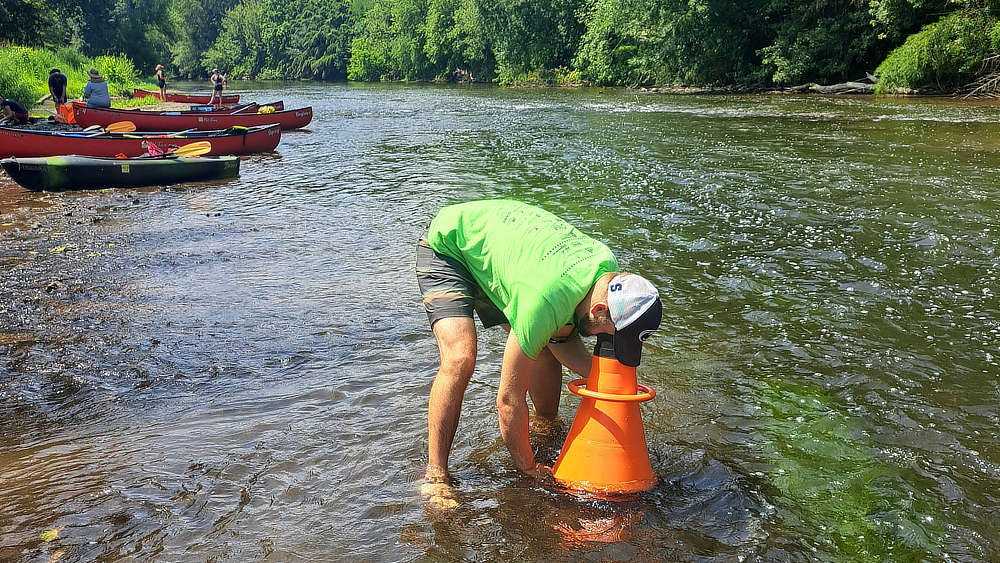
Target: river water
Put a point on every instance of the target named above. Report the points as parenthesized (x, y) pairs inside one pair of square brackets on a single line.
[(239, 370)]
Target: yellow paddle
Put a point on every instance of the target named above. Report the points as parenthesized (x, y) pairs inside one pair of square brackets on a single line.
[(120, 127), (193, 149)]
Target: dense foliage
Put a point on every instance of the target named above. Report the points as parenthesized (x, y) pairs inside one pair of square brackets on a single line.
[(941, 43), (944, 54), (24, 72)]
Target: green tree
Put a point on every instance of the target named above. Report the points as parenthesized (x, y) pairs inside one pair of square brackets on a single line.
[(240, 49), (284, 39), (390, 43), (197, 24), (456, 41), (639, 42), (532, 35), (819, 41), (36, 23)]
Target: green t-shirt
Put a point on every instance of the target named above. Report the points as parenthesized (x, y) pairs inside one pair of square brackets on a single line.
[(534, 266)]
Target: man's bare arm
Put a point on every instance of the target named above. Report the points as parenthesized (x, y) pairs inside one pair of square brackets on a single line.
[(573, 354), (512, 406)]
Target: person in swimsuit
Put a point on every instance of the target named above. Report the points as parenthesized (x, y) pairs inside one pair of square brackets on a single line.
[(218, 81), (546, 283), (161, 81)]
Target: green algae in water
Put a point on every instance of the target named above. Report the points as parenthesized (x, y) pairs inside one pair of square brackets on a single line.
[(832, 488)]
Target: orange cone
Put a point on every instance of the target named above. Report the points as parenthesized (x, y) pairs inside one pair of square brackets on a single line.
[(605, 450)]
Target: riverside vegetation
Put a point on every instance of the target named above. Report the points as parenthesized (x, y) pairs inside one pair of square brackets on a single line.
[(912, 45), (24, 73)]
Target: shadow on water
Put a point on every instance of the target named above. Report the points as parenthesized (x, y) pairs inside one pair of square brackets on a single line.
[(239, 371)]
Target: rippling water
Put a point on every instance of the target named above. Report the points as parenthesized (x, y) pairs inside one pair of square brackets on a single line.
[(239, 370)]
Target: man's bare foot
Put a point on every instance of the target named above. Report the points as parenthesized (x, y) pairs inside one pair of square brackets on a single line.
[(439, 495), (436, 488)]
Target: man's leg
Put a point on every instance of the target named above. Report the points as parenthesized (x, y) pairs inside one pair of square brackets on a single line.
[(456, 338), (546, 385)]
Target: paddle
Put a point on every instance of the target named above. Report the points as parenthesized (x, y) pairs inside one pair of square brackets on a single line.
[(116, 127), (243, 108), (193, 149), (179, 133), (120, 127)]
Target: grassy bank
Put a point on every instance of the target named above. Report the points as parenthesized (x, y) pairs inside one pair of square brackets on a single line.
[(24, 73)]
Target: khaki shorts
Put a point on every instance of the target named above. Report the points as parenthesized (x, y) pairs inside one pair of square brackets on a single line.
[(449, 290)]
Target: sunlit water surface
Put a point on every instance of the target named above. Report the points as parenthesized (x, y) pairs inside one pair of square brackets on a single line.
[(239, 370)]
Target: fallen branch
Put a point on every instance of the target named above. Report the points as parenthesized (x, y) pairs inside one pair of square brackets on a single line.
[(986, 85), (843, 88)]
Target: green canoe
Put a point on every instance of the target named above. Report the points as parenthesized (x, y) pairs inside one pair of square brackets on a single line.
[(84, 172)]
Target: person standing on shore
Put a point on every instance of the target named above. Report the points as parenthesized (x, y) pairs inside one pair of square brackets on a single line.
[(218, 81), (161, 81), (57, 87), (13, 113), (546, 283), (95, 93)]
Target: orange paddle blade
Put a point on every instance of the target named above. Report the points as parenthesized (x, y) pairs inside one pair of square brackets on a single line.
[(194, 149), (120, 127)]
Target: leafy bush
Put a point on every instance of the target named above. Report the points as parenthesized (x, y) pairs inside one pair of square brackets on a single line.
[(121, 74), (135, 102), (368, 63), (944, 54), (995, 37), (24, 72)]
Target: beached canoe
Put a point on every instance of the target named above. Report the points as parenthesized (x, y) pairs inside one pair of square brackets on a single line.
[(54, 173), (181, 121), (186, 97), (23, 143)]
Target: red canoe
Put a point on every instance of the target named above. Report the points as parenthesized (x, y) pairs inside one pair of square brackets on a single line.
[(251, 107), (186, 97), (30, 143), (182, 121)]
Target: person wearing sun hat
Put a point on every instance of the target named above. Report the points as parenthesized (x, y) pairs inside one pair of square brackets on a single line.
[(161, 82), (523, 268), (95, 92)]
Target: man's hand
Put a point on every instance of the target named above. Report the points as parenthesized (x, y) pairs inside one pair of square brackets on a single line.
[(543, 473)]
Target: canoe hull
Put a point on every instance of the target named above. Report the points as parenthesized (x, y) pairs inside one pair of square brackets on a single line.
[(25, 143), (251, 107), (186, 98), (57, 173), (180, 121)]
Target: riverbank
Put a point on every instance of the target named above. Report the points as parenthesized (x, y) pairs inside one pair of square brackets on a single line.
[(24, 73)]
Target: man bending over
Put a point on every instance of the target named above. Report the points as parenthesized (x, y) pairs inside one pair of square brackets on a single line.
[(543, 281)]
